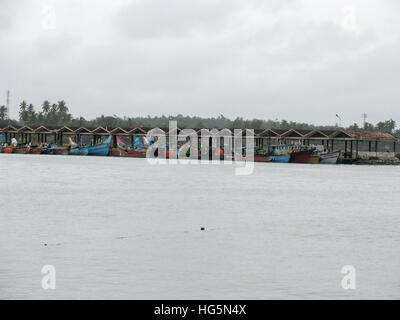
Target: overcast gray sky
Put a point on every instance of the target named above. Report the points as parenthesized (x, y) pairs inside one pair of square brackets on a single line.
[(271, 59)]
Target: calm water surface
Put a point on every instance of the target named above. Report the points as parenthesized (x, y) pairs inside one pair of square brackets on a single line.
[(121, 228)]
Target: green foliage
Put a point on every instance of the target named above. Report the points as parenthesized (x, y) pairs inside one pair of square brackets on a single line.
[(387, 126), (398, 156), (369, 127), (3, 113), (57, 114), (354, 127)]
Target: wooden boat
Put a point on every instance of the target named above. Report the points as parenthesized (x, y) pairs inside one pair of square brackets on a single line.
[(280, 153), (76, 150), (138, 150), (301, 156), (102, 149), (60, 151), (331, 157), (34, 149), (7, 150), (20, 150), (116, 152), (80, 151), (283, 158), (134, 153), (314, 159), (256, 158), (262, 159), (48, 149)]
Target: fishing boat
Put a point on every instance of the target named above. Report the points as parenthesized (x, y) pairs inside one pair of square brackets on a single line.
[(284, 158), (138, 150), (280, 154), (120, 149), (330, 157), (34, 149), (79, 151), (134, 153), (84, 151), (301, 156), (116, 152), (102, 149), (37, 150), (7, 150), (63, 151), (75, 150), (48, 149), (259, 158), (256, 158), (314, 159), (10, 148), (20, 150)]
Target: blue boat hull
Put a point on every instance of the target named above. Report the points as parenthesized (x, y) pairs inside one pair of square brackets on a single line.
[(84, 151), (100, 150), (79, 152), (280, 159)]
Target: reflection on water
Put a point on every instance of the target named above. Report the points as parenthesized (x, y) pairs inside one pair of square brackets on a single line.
[(121, 228)]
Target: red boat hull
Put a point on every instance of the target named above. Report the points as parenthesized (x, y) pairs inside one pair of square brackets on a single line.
[(262, 159), (116, 153), (7, 150), (34, 150), (256, 158), (301, 156), (134, 154), (60, 151)]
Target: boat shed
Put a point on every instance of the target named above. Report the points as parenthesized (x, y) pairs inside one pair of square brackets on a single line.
[(351, 142)]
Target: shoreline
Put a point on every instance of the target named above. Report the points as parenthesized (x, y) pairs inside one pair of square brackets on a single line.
[(371, 161)]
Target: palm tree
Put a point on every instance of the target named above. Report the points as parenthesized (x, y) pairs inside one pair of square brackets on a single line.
[(46, 107), (23, 114), (62, 107), (31, 114)]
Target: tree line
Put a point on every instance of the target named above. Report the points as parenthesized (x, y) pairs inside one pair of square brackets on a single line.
[(57, 114)]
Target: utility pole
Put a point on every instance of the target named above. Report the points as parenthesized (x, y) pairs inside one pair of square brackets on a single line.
[(8, 105)]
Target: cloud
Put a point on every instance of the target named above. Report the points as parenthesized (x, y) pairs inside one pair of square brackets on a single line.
[(303, 61)]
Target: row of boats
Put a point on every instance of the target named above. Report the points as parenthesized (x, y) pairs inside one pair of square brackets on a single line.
[(280, 153), (299, 154), (102, 149)]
